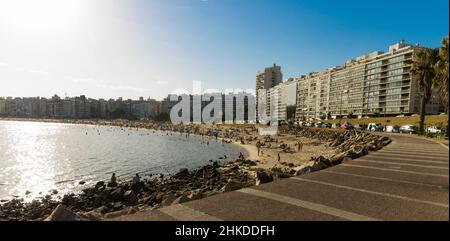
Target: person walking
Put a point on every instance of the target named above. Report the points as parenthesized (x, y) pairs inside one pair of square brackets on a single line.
[(258, 146)]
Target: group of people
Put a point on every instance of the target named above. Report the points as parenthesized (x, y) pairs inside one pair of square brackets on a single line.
[(113, 180)]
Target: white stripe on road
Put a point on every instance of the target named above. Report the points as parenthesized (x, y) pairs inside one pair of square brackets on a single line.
[(404, 159), (308, 205), (184, 213), (401, 164), (382, 179), (372, 192), (393, 170), (412, 154)]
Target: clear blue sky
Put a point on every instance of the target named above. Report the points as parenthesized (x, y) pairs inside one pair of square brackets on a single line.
[(149, 48)]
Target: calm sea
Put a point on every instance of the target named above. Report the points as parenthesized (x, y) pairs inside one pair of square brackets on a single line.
[(38, 157)]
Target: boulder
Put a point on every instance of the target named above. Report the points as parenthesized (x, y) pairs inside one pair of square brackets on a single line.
[(302, 170), (183, 173), (61, 213), (117, 194), (231, 186), (337, 158), (130, 199), (198, 194), (263, 177), (116, 214), (168, 200), (181, 199), (91, 216)]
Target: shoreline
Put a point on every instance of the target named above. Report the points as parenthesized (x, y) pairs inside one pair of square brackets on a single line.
[(101, 202)]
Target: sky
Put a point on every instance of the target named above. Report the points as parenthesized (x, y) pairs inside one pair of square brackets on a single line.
[(149, 48)]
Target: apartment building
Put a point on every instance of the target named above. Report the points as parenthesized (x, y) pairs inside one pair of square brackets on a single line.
[(2, 106), (374, 84), (266, 79), (313, 95)]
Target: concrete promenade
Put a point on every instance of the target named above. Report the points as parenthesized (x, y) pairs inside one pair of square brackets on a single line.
[(407, 180)]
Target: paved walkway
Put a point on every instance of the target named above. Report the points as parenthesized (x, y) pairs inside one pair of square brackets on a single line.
[(407, 180)]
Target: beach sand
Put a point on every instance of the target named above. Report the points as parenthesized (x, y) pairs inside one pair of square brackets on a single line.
[(269, 157)]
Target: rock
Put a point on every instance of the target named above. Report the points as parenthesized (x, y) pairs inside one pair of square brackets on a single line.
[(183, 173), (103, 209), (263, 177), (117, 194), (91, 216), (27, 192), (118, 206), (100, 184), (116, 214), (346, 159), (337, 159), (303, 170), (196, 195), (82, 182), (130, 199), (231, 186), (181, 199), (168, 200), (61, 213)]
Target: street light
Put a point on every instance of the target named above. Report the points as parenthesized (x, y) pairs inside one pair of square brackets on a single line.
[(340, 108)]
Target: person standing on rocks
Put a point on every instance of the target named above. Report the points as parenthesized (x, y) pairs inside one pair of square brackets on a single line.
[(205, 175), (113, 181), (136, 179)]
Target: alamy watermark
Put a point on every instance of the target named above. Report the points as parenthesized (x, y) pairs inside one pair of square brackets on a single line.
[(231, 106)]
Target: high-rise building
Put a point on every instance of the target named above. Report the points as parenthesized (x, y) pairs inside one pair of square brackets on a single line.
[(266, 79), (2, 106), (374, 84)]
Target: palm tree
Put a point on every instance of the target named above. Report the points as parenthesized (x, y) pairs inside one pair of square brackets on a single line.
[(441, 80), (441, 69), (423, 71)]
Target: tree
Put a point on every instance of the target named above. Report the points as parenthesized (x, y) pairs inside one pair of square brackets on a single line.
[(350, 115), (441, 81), (423, 71)]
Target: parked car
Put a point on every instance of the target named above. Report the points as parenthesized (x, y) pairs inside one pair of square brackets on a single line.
[(408, 129), (309, 124), (415, 114), (326, 125), (336, 125), (318, 124), (393, 129), (400, 116), (346, 126), (282, 123), (375, 127), (434, 130)]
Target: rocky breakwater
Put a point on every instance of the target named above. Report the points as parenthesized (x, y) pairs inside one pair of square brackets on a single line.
[(104, 201), (348, 145)]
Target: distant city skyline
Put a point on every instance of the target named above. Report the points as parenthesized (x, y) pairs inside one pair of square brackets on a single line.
[(110, 49)]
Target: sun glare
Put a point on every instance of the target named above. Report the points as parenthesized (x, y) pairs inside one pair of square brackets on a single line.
[(39, 15)]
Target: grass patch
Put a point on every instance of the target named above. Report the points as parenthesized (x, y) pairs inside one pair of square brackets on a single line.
[(430, 120)]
